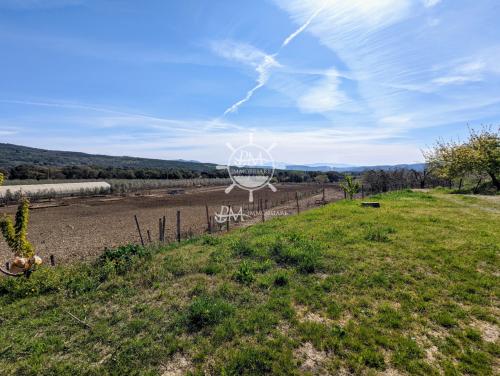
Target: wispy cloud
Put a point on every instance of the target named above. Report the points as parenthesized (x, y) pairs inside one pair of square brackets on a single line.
[(430, 3), (323, 96), (117, 118), (391, 66), (246, 53), (38, 4)]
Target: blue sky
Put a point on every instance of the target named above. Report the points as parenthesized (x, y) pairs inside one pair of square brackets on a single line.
[(336, 81)]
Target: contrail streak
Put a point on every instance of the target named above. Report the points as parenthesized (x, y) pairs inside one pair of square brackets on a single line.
[(269, 61), (301, 29)]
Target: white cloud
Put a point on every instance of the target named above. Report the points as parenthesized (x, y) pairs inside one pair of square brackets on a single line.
[(462, 72), (455, 80), (395, 120), (324, 96), (430, 3)]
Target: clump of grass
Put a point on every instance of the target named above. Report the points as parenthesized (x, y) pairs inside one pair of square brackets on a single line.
[(297, 252), (379, 234), (209, 240), (242, 248), (123, 258), (206, 311), (281, 278), (244, 274), (271, 358), (372, 359)]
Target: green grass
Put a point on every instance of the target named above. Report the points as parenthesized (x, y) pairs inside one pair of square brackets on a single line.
[(408, 287)]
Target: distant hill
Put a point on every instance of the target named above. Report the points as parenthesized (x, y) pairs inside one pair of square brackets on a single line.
[(346, 168), (15, 155)]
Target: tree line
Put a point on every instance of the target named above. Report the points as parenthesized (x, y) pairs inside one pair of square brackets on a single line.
[(36, 172)]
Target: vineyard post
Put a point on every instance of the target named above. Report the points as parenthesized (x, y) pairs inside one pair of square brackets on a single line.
[(208, 219), (265, 203), (297, 200), (362, 191), (178, 225), (263, 217), (7, 266), (160, 225), (163, 228), (228, 219), (149, 236), (139, 229), (52, 260)]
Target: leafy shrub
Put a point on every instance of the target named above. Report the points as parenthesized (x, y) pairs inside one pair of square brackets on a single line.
[(244, 274), (15, 234), (206, 311)]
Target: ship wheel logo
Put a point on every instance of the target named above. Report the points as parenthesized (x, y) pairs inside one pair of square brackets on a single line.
[(250, 167)]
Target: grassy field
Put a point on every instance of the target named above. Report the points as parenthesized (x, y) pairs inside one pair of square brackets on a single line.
[(410, 288)]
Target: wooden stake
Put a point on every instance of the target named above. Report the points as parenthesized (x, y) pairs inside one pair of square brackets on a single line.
[(178, 225), (263, 216), (228, 218), (297, 200), (149, 236), (52, 260), (7, 266), (139, 229), (159, 229), (163, 229), (208, 220)]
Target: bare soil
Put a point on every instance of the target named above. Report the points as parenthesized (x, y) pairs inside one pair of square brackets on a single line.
[(76, 229)]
